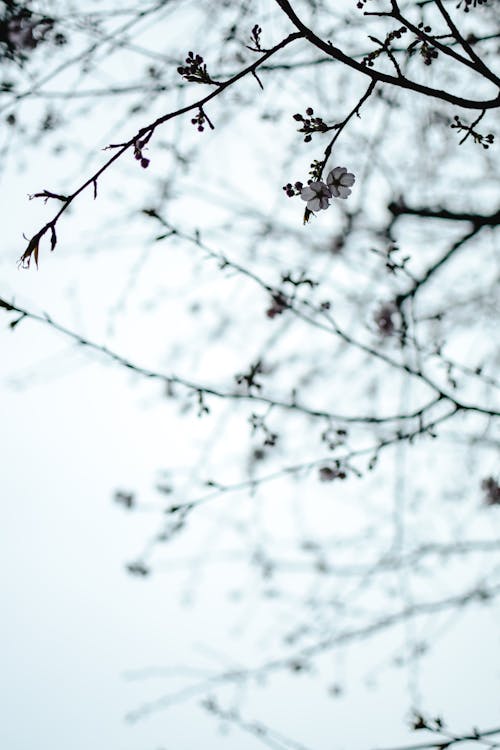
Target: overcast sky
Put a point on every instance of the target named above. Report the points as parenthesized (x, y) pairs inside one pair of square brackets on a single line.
[(84, 643)]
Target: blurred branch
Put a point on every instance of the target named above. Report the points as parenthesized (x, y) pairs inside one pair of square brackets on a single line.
[(209, 390), (400, 208), (448, 740), (301, 660), (419, 283), (319, 317), (478, 221), (262, 732)]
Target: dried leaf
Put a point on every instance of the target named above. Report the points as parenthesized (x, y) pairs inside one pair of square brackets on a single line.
[(53, 238)]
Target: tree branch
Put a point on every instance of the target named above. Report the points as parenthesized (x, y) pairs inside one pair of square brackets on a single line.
[(375, 75)]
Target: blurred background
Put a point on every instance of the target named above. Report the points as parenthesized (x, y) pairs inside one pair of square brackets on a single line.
[(249, 466)]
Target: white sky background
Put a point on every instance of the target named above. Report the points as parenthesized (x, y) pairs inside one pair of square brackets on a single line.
[(77, 427)]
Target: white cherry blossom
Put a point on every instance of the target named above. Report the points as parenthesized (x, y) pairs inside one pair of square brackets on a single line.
[(317, 195), (339, 182)]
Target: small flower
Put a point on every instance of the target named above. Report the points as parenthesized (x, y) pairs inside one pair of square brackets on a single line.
[(339, 181), (317, 195)]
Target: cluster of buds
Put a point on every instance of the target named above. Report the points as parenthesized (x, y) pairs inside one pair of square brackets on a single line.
[(138, 154), (311, 124), (427, 51), (200, 119), (384, 47), (195, 69), (255, 37), (293, 190), (484, 140), (468, 3)]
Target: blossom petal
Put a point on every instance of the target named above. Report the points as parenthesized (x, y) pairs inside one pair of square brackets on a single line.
[(347, 179), (344, 191), (318, 187), (336, 174), (317, 194), (307, 194)]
